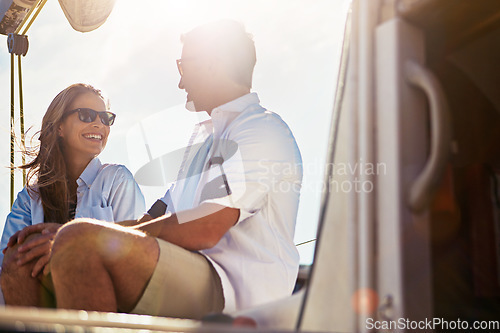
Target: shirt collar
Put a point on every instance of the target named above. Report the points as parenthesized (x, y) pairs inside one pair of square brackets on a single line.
[(90, 173), (226, 113), (237, 105)]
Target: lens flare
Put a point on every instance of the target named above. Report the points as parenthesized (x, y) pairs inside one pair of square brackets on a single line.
[(364, 301)]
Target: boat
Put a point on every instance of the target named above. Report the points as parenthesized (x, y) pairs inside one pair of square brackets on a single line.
[(417, 247)]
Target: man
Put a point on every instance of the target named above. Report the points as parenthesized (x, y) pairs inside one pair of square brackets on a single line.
[(225, 240)]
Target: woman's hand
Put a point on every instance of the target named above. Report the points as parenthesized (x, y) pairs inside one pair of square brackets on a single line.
[(21, 235), (37, 247), (12, 241)]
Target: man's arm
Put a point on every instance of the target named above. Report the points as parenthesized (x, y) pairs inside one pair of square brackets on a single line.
[(158, 209), (206, 225)]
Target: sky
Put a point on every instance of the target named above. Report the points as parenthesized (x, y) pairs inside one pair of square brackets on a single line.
[(131, 57)]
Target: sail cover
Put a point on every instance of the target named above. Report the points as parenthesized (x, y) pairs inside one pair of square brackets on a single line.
[(86, 15)]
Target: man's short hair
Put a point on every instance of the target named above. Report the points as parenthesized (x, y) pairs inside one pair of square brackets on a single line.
[(227, 41)]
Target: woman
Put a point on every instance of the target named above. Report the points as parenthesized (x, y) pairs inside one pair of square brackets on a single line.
[(65, 181)]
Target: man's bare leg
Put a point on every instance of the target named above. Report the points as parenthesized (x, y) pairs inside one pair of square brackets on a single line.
[(101, 266), (19, 287)]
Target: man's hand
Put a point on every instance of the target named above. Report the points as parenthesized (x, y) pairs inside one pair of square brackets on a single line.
[(144, 218), (36, 247), (131, 223)]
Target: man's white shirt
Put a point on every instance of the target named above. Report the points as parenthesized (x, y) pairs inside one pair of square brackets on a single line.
[(245, 157)]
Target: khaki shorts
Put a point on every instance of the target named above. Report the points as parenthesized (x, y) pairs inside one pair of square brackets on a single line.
[(184, 284)]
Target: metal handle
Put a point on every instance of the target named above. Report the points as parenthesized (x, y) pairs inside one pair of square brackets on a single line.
[(423, 188)]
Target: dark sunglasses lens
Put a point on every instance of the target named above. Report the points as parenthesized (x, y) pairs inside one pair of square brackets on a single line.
[(87, 115), (107, 118)]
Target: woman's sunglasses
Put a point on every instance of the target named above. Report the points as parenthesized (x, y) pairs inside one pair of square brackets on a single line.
[(88, 115)]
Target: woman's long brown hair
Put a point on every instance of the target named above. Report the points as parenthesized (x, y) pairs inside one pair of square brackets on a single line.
[(47, 173)]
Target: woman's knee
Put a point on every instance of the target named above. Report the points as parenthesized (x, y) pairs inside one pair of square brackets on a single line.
[(11, 256), (12, 273)]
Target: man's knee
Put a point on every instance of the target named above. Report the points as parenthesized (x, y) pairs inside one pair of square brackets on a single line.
[(88, 241), (77, 233), (72, 243), (70, 233)]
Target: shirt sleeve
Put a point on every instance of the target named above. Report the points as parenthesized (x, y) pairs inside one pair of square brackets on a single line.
[(18, 218), (126, 197), (258, 160)]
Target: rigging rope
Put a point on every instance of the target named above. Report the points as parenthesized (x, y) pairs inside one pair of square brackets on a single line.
[(306, 242), (21, 115), (11, 129), (18, 45)]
